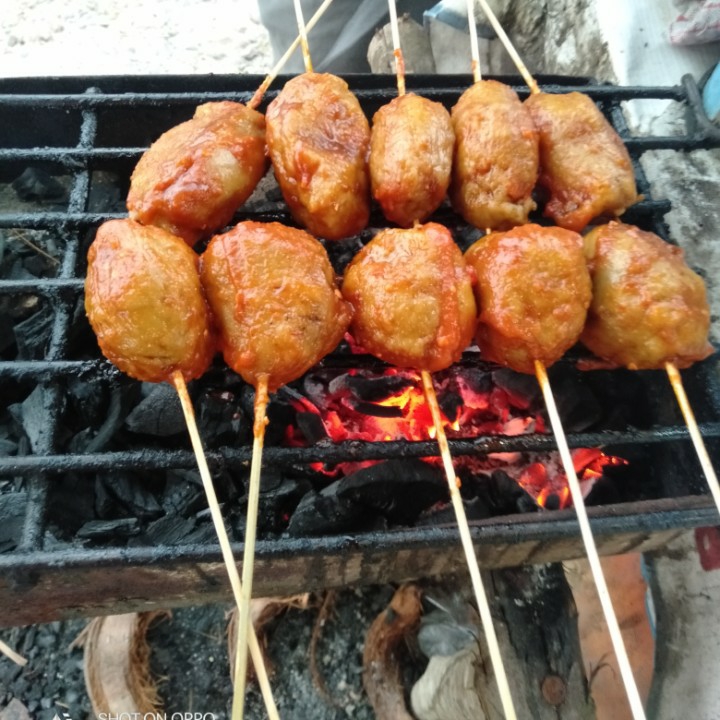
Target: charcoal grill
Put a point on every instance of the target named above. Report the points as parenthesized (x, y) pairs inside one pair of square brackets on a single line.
[(81, 127)]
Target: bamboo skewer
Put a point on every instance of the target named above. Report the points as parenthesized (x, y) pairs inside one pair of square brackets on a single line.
[(255, 652), (244, 625), (260, 92), (636, 706), (505, 40), (691, 422), (6, 650), (474, 50), (470, 556), (303, 36), (453, 482)]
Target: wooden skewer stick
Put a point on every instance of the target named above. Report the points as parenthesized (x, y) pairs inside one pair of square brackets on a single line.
[(255, 652), (260, 92), (689, 415), (505, 40), (397, 50), (10, 653), (303, 36), (244, 624), (636, 705), (474, 50), (472, 563)]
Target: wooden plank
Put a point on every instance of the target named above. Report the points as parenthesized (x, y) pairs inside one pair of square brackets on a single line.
[(42, 594)]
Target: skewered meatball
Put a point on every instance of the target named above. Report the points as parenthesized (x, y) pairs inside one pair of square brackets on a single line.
[(583, 163), (412, 296), (318, 140), (197, 174), (648, 307), (411, 149), (273, 292), (496, 157), (533, 291), (145, 303)]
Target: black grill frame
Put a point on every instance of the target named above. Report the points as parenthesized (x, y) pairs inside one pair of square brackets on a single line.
[(30, 574)]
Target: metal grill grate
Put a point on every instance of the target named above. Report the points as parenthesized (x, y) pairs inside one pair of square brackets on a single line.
[(79, 126)]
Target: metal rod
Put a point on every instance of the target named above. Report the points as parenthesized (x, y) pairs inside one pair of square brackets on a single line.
[(255, 652), (470, 556), (689, 415), (244, 625), (636, 705)]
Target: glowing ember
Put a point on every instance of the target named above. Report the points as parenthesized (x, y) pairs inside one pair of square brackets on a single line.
[(391, 406)]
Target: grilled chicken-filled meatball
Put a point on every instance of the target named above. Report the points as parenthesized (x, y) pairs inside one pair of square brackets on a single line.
[(145, 303), (196, 175), (496, 157), (533, 290), (411, 151), (648, 307), (412, 296), (272, 290), (583, 163), (318, 141)]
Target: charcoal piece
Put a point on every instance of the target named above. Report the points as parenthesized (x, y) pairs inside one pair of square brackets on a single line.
[(105, 194), (12, 514), (221, 419), (132, 494), (34, 413), (526, 504), (577, 404), (159, 413), (399, 489), (479, 381), (33, 334), (438, 515), (93, 440), (315, 389), (499, 490), (36, 184), (7, 333), (604, 492), (277, 506), (312, 427), (523, 390), (382, 411), (168, 530), (103, 529), (184, 494), (326, 512), (105, 503), (450, 404), (372, 389), (203, 534)]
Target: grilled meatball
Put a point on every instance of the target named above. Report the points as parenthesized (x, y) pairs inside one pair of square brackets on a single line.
[(411, 149), (145, 303), (318, 140), (583, 163), (412, 296), (533, 290), (648, 307), (496, 157), (273, 292), (197, 174)]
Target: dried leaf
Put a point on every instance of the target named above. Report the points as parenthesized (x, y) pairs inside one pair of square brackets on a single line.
[(262, 612), (117, 667), (382, 676), (323, 615), (449, 688)]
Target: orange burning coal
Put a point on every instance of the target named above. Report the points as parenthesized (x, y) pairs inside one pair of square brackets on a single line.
[(362, 405)]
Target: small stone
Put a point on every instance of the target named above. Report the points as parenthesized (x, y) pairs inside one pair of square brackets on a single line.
[(554, 690)]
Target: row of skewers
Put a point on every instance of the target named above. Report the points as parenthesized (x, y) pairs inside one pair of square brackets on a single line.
[(265, 294)]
